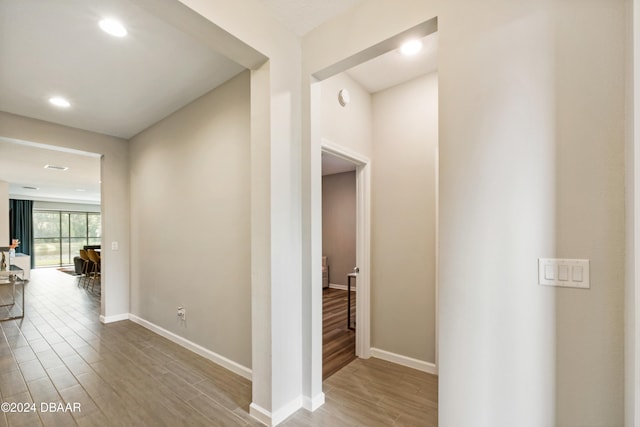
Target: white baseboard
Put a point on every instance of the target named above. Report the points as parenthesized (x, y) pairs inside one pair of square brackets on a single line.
[(409, 362), (114, 318), (243, 371), (341, 287), (311, 404), (260, 414), (285, 411), (273, 419)]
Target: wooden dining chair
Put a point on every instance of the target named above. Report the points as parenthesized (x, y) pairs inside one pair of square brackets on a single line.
[(94, 257), (86, 262)]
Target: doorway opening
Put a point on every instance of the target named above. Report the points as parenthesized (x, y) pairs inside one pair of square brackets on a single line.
[(377, 107), (54, 210), (339, 265)]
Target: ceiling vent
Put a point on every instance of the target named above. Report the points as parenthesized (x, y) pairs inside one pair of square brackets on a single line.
[(58, 168)]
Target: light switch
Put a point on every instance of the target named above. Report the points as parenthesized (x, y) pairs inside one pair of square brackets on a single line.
[(563, 272), (114, 246), (576, 273), (548, 272), (567, 273)]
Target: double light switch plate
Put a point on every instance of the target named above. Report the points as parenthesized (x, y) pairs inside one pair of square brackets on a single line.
[(566, 273)]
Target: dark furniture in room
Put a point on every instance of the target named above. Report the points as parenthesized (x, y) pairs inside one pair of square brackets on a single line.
[(78, 262)]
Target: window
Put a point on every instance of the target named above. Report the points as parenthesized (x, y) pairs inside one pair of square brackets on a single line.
[(58, 236)]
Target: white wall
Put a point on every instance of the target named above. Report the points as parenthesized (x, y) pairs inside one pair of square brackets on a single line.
[(349, 126), (403, 210), (5, 239), (114, 194), (531, 165), (589, 163), (190, 216), (280, 361)]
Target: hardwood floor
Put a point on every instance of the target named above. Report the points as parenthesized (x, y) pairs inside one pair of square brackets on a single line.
[(375, 393), (338, 341), (121, 374)]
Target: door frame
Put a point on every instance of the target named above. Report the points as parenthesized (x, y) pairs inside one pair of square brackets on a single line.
[(363, 241), (632, 209)]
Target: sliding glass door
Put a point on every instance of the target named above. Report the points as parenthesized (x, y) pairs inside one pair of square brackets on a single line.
[(59, 236)]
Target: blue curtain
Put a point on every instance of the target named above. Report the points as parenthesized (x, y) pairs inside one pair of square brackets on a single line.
[(21, 225)]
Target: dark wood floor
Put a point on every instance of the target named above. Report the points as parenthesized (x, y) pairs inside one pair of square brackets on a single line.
[(338, 341), (122, 374)]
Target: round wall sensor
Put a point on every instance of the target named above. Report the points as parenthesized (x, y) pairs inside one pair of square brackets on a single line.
[(344, 97)]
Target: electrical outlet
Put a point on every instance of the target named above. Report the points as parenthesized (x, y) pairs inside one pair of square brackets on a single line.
[(182, 313)]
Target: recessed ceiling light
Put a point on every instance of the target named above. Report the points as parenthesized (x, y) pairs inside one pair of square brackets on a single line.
[(113, 27), (411, 47), (80, 189), (54, 167), (59, 101)]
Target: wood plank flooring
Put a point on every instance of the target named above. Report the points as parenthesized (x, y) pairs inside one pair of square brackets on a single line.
[(124, 375), (375, 393), (121, 373), (338, 341)]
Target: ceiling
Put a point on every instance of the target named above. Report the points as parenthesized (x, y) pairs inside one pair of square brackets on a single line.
[(302, 16), (332, 164), (392, 68), (119, 86), (116, 86), (23, 165)]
